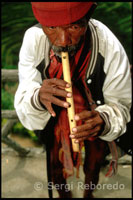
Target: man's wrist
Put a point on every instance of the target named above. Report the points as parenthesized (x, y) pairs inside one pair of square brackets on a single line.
[(106, 126), (35, 101)]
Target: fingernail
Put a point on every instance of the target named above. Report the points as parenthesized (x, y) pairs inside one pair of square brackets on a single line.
[(66, 105), (74, 129), (68, 85), (71, 136), (53, 114), (76, 117), (69, 94)]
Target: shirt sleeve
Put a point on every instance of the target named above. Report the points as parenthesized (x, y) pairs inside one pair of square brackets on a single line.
[(31, 114), (116, 91)]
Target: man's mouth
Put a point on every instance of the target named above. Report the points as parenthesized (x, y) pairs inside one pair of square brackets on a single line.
[(70, 49)]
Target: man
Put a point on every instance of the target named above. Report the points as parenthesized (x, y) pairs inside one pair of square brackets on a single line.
[(101, 83)]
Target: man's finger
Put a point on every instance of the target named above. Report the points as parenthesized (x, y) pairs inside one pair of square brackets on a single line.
[(85, 115), (50, 108), (84, 127), (85, 138), (60, 92), (87, 133), (59, 102), (58, 82)]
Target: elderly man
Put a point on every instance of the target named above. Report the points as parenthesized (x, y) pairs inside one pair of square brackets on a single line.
[(101, 83)]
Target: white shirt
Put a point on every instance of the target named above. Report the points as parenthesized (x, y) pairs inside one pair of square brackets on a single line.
[(116, 88)]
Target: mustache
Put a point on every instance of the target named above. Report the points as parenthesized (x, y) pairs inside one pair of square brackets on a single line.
[(71, 49), (60, 49)]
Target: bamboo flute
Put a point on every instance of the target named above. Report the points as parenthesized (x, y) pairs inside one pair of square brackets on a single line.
[(71, 109)]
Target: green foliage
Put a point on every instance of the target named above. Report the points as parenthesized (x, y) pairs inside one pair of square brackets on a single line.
[(7, 97), (118, 17), (19, 129), (3, 122), (7, 100), (17, 17)]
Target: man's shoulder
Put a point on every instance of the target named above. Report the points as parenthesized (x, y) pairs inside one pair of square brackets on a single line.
[(34, 43), (103, 31), (100, 26), (105, 36), (35, 31)]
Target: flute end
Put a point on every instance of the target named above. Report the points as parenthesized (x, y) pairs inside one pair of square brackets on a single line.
[(75, 147)]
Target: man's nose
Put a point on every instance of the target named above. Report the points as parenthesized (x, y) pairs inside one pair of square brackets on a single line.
[(63, 38)]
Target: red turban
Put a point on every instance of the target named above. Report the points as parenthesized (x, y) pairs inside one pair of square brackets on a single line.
[(60, 13)]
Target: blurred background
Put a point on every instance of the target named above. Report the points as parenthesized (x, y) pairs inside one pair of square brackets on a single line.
[(17, 17)]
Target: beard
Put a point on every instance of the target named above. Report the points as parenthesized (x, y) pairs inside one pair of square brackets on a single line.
[(72, 49)]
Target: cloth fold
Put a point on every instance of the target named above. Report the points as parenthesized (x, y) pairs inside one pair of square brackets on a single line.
[(67, 157), (82, 101)]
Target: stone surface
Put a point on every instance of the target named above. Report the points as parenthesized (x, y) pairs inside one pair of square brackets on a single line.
[(25, 177)]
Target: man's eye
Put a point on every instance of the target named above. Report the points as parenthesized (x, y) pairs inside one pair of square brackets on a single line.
[(74, 27), (51, 27)]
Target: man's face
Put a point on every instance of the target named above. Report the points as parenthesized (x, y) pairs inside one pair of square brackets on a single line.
[(67, 37)]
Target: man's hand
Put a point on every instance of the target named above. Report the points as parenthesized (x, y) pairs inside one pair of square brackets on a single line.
[(50, 93), (92, 125)]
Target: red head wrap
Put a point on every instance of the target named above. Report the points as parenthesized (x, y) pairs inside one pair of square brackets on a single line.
[(60, 13)]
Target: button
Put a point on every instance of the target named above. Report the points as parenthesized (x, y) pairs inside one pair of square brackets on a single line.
[(118, 140), (130, 151), (89, 81), (98, 102)]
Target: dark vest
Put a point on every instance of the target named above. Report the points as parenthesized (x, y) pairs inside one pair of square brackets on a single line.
[(95, 83)]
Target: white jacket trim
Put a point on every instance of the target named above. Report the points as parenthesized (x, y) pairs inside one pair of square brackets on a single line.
[(116, 88)]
